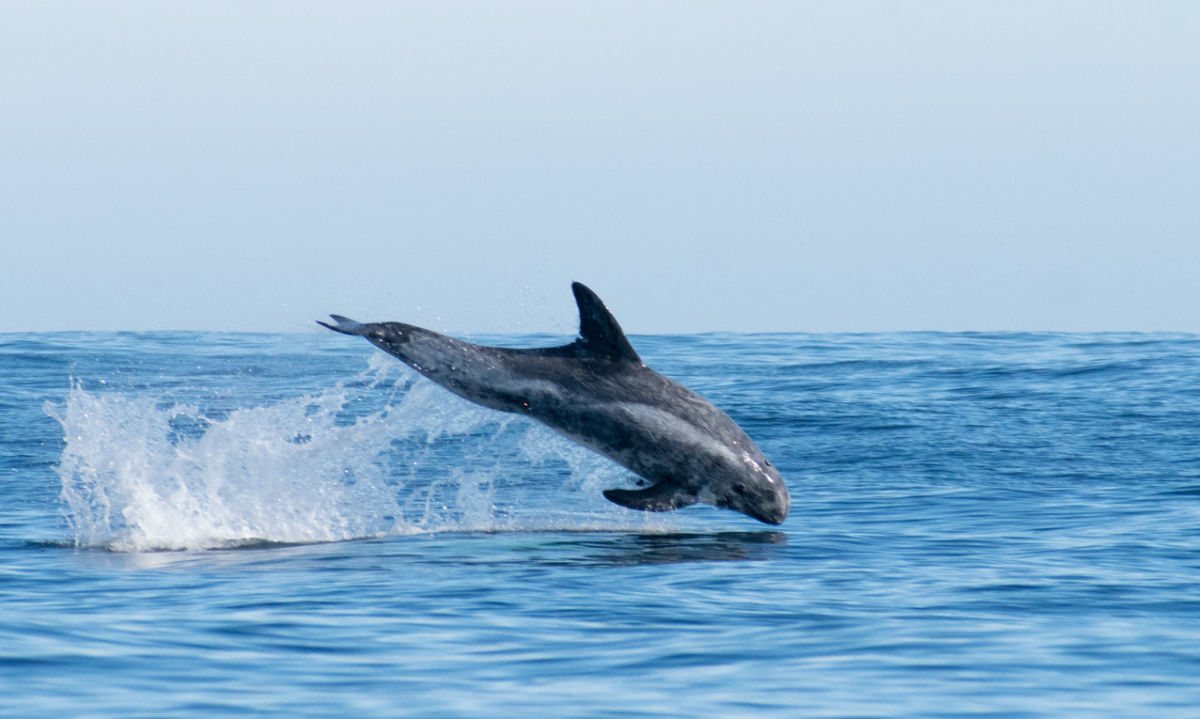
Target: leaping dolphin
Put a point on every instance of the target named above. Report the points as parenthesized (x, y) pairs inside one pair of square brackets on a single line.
[(596, 391)]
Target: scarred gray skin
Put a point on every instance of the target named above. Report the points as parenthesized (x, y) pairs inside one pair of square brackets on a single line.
[(597, 392)]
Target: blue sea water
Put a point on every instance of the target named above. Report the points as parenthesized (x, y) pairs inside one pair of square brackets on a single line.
[(983, 525)]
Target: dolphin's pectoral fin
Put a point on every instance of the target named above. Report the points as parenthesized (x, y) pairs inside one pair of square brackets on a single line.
[(662, 497)]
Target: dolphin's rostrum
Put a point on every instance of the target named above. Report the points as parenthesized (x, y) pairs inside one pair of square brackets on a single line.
[(597, 392)]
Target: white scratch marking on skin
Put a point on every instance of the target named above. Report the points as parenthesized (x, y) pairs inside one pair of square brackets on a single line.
[(666, 425)]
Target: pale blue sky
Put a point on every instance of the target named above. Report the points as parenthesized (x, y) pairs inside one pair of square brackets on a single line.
[(703, 166)]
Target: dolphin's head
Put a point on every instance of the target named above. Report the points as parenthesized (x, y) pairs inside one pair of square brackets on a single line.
[(755, 489)]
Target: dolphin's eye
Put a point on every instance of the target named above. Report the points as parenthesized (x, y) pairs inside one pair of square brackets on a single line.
[(739, 488)]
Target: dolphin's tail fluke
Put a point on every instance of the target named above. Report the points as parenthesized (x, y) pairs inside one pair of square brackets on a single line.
[(345, 325)]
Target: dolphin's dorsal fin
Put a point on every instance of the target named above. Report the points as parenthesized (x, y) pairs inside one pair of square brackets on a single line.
[(598, 331)]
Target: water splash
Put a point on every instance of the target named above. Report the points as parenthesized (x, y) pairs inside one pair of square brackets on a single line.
[(387, 453)]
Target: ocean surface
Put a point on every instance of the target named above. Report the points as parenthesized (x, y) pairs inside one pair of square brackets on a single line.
[(982, 525)]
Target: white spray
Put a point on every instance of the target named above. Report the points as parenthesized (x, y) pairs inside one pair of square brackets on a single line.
[(307, 470)]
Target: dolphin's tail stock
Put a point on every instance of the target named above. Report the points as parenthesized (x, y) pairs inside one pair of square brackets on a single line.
[(345, 325)]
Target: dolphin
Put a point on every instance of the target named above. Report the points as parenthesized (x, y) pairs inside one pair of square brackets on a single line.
[(597, 392)]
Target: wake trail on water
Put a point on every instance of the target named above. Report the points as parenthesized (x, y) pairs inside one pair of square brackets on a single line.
[(387, 453)]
